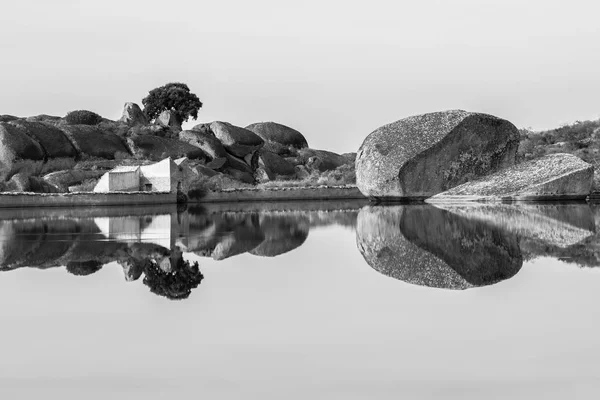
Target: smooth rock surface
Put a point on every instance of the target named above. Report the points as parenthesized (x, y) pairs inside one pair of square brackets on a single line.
[(238, 141), (424, 155), (274, 164), (158, 148), (278, 133), (553, 176), (205, 140), (18, 151), (94, 142), (54, 142)]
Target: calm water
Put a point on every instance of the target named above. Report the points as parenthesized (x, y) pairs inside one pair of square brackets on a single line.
[(301, 301)]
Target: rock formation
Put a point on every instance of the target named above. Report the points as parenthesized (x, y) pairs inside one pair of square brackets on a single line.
[(552, 176), (238, 141), (94, 142), (421, 156), (426, 246), (18, 151), (283, 233), (280, 134), (133, 115)]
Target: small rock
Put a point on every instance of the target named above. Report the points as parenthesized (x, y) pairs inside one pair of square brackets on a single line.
[(169, 120)]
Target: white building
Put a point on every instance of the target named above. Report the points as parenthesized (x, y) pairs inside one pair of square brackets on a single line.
[(164, 176)]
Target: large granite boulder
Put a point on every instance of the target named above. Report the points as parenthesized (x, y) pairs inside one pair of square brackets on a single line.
[(424, 155), (18, 151), (274, 164), (277, 133), (555, 176), (283, 233), (92, 141), (66, 178), (239, 164), (238, 141), (204, 140), (158, 148), (133, 115), (54, 141), (319, 160), (426, 246)]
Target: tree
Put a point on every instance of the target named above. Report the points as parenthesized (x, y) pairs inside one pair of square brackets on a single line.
[(175, 97)]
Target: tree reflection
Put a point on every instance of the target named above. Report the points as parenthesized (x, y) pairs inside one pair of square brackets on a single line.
[(176, 283)]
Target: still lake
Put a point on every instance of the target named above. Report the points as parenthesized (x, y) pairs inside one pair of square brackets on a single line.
[(330, 300)]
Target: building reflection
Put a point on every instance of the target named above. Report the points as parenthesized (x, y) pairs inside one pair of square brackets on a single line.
[(449, 247)]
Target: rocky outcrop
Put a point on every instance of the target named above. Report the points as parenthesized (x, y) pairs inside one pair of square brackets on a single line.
[(426, 246), (553, 176), (50, 119), (277, 133), (133, 115), (53, 141), (158, 148), (322, 160), (424, 155), (92, 141), (275, 165), (205, 141), (239, 164), (18, 151), (237, 141)]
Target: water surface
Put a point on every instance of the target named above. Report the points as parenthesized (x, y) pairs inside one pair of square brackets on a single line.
[(300, 300)]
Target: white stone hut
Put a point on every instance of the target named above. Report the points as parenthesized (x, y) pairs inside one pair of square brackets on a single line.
[(167, 176)]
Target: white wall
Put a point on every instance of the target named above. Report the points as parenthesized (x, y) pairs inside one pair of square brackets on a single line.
[(158, 175), (128, 181)]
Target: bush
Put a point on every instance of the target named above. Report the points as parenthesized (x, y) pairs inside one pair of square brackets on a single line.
[(83, 117)]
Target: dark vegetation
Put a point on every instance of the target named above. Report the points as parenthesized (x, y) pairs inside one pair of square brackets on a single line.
[(174, 97), (174, 285), (83, 117), (581, 139)]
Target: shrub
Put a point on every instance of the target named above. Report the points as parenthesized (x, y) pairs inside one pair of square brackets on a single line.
[(83, 117)]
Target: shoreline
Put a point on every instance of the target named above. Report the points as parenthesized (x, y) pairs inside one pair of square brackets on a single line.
[(29, 199)]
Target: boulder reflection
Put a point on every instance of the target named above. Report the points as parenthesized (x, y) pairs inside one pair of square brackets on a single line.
[(427, 246), (441, 246)]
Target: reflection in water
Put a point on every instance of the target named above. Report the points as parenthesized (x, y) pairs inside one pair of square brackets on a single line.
[(150, 242), (442, 246), (427, 246)]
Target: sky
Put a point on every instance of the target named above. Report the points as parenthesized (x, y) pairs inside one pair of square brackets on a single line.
[(334, 70)]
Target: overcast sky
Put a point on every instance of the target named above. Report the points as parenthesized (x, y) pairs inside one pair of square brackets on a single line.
[(335, 70)]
